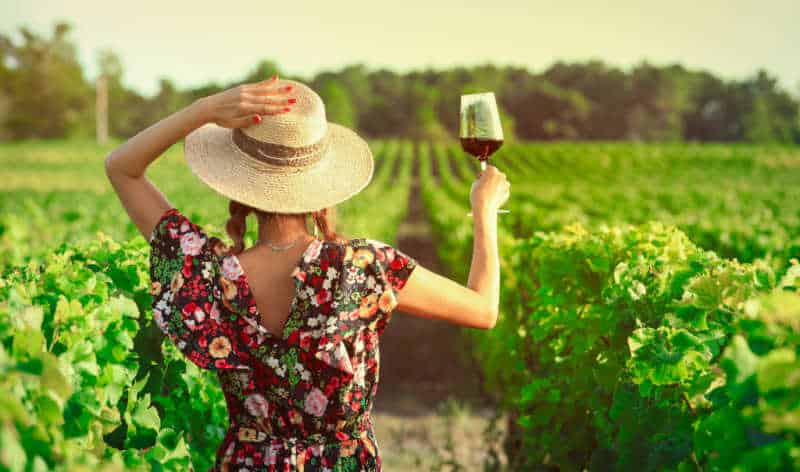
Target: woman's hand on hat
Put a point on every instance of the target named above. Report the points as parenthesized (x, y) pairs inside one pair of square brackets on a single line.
[(245, 104)]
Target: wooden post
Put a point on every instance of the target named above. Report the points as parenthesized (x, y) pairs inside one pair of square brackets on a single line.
[(101, 109)]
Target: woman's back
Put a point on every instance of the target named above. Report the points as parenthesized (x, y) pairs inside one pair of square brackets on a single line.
[(315, 379), (301, 396)]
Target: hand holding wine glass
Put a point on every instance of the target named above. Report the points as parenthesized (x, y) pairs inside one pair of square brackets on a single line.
[(491, 190), (480, 130)]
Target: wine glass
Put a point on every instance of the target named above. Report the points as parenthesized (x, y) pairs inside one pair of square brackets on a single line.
[(480, 132)]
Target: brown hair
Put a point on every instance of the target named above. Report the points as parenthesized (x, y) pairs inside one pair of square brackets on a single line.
[(236, 227)]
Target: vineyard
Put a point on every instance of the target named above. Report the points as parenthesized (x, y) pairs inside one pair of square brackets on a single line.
[(649, 319)]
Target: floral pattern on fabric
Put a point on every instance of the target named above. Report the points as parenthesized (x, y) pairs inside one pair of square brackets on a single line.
[(300, 399)]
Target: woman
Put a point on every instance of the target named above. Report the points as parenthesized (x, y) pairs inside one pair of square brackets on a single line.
[(291, 324)]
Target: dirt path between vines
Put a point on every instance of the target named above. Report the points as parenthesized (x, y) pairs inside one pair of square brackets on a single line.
[(429, 412)]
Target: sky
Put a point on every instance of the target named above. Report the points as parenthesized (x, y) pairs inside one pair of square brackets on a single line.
[(195, 42)]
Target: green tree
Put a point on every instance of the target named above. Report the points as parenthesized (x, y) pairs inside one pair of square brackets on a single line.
[(47, 90), (771, 114), (422, 121), (42, 82), (128, 112), (387, 115), (338, 104), (605, 88), (355, 79), (6, 80), (168, 99), (263, 70), (546, 111), (659, 97)]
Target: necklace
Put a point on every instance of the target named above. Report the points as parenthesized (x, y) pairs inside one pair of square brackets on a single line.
[(279, 247)]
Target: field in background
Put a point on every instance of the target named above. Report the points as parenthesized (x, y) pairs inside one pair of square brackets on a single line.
[(598, 317), (738, 200), (649, 308), (55, 193)]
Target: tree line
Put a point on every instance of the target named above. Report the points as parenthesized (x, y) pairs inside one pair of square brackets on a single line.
[(45, 94)]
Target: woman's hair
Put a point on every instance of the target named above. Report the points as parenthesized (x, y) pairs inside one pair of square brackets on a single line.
[(236, 227)]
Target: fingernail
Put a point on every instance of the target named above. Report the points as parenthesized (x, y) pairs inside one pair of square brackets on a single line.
[(257, 119), (286, 109), (292, 100), (274, 76), (287, 88)]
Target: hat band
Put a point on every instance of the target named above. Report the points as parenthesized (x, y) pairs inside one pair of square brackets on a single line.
[(278, 154)]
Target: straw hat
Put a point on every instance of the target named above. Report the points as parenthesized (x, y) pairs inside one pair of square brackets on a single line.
[(292, 162)]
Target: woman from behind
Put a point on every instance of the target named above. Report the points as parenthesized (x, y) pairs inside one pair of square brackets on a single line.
[(290, 325)]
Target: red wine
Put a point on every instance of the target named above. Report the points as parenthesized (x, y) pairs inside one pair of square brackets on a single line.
[(480, 147)]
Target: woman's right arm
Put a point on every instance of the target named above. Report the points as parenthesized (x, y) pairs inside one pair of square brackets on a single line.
[(430, 295)]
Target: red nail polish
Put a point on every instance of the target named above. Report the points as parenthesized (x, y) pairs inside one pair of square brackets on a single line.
[(274, 76), (257, 119), (286, 109), (292, 100), (287, 88)]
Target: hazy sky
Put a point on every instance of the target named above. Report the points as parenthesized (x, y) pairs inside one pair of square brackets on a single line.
[(192, 42)]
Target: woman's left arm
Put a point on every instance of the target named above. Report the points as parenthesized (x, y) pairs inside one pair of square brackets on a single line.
[(126, 165)]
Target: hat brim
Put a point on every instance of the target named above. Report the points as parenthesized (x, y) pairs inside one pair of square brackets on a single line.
[(344, 171)]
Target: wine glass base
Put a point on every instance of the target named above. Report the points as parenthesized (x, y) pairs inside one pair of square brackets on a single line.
[(499, 210)]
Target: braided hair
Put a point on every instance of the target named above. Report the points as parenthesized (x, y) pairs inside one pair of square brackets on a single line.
[(236, 227)]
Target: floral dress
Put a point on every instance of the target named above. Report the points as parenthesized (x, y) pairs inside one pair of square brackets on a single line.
[(300, 399)]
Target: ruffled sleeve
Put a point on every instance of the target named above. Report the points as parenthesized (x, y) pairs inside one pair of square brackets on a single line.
[(187, 306), (377, 272), (392, 268)]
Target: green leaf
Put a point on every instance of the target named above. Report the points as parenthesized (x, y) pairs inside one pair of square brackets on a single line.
[(12, 455), (28, 318), (683, 340), (123, 306), (52, 379), (639, 338), (778, 370), (28, 344), (49, 409), (739, 360), (146, 416), (82, 358)]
